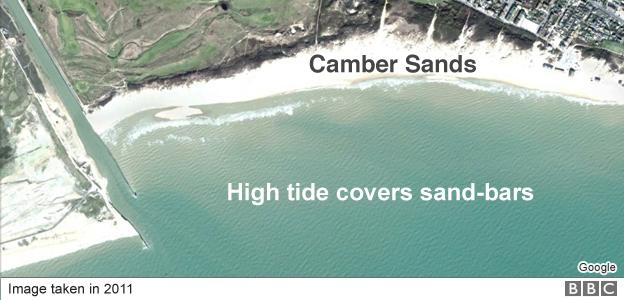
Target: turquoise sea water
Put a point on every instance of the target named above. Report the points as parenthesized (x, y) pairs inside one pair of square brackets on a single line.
[(386, 133)]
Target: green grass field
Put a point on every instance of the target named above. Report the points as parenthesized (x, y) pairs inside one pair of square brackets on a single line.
[(81, 6), (67, 33), (103, 43), (198, 60), (613, 46), (81, 86), (114, 50), (66, 27), (169, 41), (262, 13), (139, 5)]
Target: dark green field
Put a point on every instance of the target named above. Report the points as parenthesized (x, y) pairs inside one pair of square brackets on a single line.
[(107, 45)]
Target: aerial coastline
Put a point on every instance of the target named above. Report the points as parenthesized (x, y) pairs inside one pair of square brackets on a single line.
[(275, 70), (534, 45), (497, 61)]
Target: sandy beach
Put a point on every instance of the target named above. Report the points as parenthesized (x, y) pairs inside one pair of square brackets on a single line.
[(76, 232), (496, 61), (178, 113)]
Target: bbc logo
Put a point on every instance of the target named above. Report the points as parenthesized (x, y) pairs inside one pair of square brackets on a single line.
[(591, 288)]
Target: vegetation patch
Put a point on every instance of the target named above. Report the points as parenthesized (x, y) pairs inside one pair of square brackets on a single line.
[(67, 33), (613, 46), (169, 41), (262, 13), (140, 5), (195, 62), (92, 206), (81, 86), (115, 49), (78, 7)]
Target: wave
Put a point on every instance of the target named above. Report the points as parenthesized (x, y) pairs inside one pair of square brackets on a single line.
[(111, 136), (472, 85), (391, 83), (522, 93), (151, 126), (175, 138)]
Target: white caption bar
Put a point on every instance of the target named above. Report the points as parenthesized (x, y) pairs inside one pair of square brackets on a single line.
[(271, 288)]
